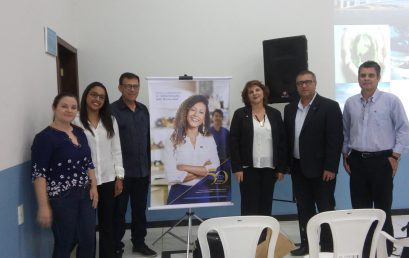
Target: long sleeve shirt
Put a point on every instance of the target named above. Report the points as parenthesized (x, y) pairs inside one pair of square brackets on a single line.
[(375, 125), (63, 164), (106, 152), (187, 154), (134, 133)]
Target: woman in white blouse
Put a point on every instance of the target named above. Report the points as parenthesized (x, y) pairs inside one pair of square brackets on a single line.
[(191, 152), (101, 130), (257, 149)]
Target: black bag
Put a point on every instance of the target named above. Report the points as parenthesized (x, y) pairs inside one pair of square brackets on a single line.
[(215, 246), (405, 250)]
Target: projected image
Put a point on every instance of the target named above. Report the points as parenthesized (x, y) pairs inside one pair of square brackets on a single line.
[(371, 30), (400, 52), (401, 89), (344, 90), (357, 44), (370, 4)]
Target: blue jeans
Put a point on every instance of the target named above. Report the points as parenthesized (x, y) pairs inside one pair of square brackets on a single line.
[(73, 222)]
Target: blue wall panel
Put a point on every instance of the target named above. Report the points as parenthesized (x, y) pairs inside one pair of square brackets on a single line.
[(27, 240)]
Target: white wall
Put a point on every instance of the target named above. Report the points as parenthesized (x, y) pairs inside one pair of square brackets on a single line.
[(150, 38), (199, 38), (28, 83), (27, 75)]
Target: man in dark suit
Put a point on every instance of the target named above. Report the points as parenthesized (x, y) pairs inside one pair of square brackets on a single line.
[(315, 137)]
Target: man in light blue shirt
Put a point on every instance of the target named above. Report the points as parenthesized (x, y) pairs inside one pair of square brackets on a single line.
[(376, 133)]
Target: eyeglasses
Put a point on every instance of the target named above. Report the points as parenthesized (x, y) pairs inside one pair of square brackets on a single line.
[(96, 96), (306, 82), (131, 86)]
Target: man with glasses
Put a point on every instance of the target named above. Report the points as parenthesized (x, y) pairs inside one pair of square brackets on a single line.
[(133, 122), (314, 131), (376, 133)]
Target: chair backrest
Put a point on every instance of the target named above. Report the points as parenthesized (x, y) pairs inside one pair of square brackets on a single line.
[(349, 229), (381, 251), (239, 235)]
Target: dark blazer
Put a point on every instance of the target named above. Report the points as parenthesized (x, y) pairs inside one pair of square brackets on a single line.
[(241, 138), (321, 136)]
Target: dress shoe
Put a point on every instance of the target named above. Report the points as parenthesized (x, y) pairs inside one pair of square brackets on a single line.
[(144, 250), (118, 253), (327, 249), (302, 250)]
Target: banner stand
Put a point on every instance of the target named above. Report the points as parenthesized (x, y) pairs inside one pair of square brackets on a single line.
[(178, 105), (189, 215)]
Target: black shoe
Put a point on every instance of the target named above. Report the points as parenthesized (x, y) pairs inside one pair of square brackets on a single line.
[(302, 250), (144, 250), (327, 249), (118, 253)]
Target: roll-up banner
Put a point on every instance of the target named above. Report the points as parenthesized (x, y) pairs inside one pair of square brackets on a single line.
[(190, 160)]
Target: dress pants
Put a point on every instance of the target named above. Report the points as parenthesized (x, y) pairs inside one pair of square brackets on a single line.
[(312, 194), (371, 186), (257, 190), (73, 222), (135, 189), (106, 211)]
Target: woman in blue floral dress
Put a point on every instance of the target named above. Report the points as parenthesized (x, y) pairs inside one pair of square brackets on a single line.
[(64, 181)]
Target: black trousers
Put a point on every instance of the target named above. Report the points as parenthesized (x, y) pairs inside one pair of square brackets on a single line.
[(135, 189), (106, 211), (371, 186), (257, 190), (312, 194)]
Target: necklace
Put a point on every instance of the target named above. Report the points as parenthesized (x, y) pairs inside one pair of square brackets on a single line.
[(262, 121)]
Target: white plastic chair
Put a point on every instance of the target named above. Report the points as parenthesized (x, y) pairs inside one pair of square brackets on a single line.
[(349, 229), (381, 251), (239, 235)]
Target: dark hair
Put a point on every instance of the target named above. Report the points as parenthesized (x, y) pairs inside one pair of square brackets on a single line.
[(371, 64), (128, 76), (304, 72), (249, 84), (218, 111), (179, 134), (63, 95), (104, 113)]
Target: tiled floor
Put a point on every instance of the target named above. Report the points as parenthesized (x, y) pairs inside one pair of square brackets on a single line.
[(170, 243)]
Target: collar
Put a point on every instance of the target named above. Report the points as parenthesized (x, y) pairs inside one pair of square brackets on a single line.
[(98, 124), (122, 104), (300, 106), (372, 98)]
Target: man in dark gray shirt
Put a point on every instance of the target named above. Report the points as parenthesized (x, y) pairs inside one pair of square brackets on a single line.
[(133, 122)]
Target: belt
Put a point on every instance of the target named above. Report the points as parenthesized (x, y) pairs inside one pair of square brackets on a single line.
[(375, 154)]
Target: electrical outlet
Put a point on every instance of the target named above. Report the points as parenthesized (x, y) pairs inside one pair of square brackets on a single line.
[(20, 214)]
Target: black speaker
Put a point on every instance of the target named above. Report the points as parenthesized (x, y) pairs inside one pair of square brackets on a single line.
[(284, 58)]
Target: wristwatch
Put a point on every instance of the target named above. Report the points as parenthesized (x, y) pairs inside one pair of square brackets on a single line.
[(119, 177)]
